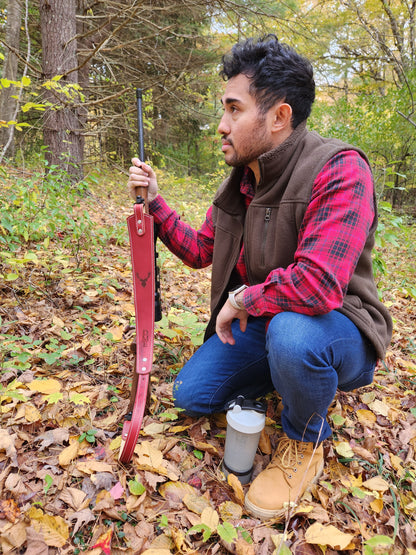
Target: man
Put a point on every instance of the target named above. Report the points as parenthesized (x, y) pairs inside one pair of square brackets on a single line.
[(289, 235)]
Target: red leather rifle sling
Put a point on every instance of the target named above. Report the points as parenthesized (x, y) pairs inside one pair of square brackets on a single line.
[(140, 226)]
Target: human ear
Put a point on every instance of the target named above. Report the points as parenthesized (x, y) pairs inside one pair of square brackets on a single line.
[(282, 116)]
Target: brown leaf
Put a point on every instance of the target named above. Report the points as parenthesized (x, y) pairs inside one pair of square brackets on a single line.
[(10, 509)]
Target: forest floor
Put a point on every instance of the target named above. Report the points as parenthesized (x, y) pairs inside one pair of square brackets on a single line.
[(66, 328)]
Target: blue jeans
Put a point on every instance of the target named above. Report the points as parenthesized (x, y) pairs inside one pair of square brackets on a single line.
[(304, 358)]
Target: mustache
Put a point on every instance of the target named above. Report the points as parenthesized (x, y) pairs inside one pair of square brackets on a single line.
[(226, 139)]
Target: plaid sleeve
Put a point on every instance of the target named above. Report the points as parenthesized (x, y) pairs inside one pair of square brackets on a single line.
[(331, 239), (193, 247)]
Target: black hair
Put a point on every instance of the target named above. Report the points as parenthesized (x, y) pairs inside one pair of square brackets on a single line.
[(276, 71)]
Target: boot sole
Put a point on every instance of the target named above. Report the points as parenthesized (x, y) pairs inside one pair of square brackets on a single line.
[(277, 514)]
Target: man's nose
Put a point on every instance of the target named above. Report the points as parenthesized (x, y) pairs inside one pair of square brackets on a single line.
[(223, 127)]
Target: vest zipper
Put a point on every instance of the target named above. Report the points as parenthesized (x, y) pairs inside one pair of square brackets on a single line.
[(267, 218)]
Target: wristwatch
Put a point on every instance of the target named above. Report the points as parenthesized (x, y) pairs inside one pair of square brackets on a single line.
[(233, 294)]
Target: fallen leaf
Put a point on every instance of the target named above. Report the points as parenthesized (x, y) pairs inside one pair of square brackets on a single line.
[(82, 517), (376, 484), (90, 467), (67, 455), (235, 483), (7, 444), (10, 509), (45, 386), (318, 534), (210, 517), (54, 529), (104, 542), (73, 497), (343, 449), (230, 511), (366, 417), (196, 503), (176, 491)]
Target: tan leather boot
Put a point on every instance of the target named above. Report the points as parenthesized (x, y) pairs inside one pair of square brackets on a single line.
[(294, 467)]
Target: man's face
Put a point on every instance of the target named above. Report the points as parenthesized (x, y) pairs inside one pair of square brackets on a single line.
[(245, 131)]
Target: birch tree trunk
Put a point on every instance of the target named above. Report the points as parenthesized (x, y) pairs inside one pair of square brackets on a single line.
[(7, 102)]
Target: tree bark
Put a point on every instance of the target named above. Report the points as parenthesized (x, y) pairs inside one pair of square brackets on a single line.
[(7, 102), (62, 127)]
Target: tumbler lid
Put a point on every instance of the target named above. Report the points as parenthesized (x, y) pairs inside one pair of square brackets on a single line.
[(245, 419)]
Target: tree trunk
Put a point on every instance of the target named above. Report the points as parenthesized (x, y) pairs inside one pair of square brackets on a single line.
[(62, 128), (7, 102)]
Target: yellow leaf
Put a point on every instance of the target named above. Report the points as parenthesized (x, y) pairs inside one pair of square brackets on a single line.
[(377, 505), (54, 529), (397, 464), (376, 484), (235, 483), (178, 429), (69, 453), (31, 413), (45, 386), (366, 417), (343, 448), (115, 444), (210, 517), (318, 534)]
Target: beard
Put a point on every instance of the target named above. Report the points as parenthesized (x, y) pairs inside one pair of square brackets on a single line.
[(250, 148)]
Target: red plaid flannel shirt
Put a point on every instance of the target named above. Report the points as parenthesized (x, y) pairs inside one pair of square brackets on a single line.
[(332, 236)]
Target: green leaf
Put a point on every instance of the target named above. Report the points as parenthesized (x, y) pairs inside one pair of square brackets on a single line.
[(379, 540), (79, 399), (54, 398), (227, 532), (136, 487), (50, 358), (163, 521), (48, 483), (204, 528), (198, 454)]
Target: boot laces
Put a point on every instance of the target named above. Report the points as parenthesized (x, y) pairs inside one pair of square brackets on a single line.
[(289, 455)]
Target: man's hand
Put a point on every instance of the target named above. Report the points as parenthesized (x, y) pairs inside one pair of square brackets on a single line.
[(142, 175), (224, 319)]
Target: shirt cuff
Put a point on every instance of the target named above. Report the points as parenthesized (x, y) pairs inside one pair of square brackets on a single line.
[(159, 209), (253, 300)]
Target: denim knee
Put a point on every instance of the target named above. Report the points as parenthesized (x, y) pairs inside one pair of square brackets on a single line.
[(287, 344), (184, 399)]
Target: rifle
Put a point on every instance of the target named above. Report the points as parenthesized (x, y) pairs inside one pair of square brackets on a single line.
[(147, 306)]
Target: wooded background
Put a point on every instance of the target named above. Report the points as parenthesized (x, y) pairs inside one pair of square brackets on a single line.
[(70, 69)]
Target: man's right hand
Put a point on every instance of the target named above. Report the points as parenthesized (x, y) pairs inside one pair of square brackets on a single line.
[(142, 175)]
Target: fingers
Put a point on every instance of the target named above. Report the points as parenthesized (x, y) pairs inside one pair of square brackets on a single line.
[(139, 176)]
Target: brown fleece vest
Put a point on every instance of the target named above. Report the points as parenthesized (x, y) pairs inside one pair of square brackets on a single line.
[(270, 226)]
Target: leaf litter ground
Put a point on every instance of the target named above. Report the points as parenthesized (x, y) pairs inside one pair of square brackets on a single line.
[(67, 325)]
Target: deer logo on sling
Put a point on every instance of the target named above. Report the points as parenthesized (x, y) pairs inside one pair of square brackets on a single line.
[(143, 281)]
